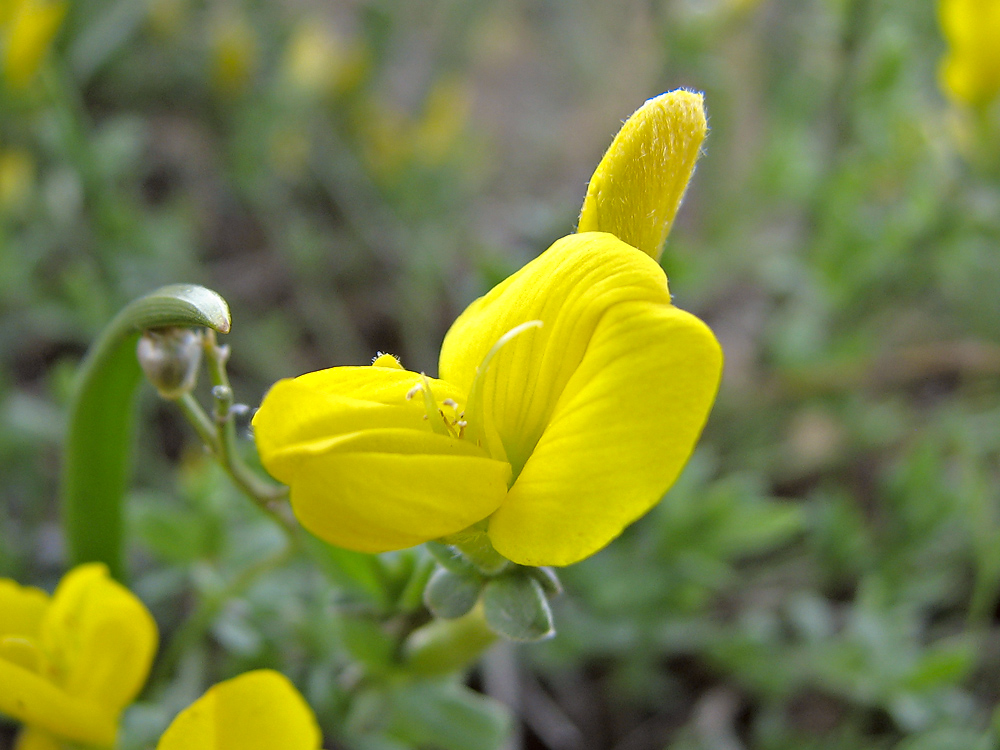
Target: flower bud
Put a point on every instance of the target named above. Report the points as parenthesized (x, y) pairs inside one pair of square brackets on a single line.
[(170, 358)]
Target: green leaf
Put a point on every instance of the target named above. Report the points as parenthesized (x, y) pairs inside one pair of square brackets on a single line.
[(363, 575), (175, 534), (942, 666), (368, 643), (515, 607), (447, 716), (99, 435)]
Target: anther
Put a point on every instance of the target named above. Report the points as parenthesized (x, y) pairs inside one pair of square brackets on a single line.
[(414, 391)]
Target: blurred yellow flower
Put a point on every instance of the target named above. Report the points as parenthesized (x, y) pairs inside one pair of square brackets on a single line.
[(27, 28), (259, 710), (394, 139), (970, 71), (445, 117), (314, 58), (17, 177), (570, 397), (167, 18), (69, 664), (234, 52)]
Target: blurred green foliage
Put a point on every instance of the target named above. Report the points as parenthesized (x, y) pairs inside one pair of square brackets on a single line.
[(826, 574)]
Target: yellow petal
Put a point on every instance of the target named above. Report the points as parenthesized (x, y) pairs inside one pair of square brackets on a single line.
[(29, 36), (385, 489), (365, 468), (623, 428), (21, 609), (37, 702), (336, 402), (100, 638), (22, 651), (569, 288), (637, 188), (259, 710), (971, 71)]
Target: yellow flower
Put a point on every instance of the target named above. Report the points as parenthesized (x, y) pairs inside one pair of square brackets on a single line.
[(970, 72), (69, 664), (259, 710), (27, 28), (570, 396), (314, 58), (234, 54), (17, 177)]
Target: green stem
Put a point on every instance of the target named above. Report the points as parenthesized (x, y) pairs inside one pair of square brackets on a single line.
[(264, 493), (412, 597), (201, 422)]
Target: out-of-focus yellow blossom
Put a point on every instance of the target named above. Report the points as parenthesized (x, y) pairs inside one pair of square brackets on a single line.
[(386, 135), (970, 71), (394, 140), (570, 396), (259, 710), (27, 28), (444, 119), (234, 51), (168, 18), (17, 176), (313, 58), (320, 63), (69, 664)]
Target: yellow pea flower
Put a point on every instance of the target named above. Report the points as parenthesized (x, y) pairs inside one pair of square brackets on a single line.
[(570, 397), (970, 72), (27, 28), (70, 663), (259, 710)]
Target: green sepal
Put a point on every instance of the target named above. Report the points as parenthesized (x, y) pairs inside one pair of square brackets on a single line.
[(99, 431), (475, 546), (516, 608), (450, 558), (548, 578), (450, 595)]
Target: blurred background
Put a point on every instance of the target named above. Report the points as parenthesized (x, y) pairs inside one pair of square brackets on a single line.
[(826, 573)]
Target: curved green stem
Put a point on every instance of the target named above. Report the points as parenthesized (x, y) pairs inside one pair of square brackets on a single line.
[(204, 426), (99, 433), (264, 493)]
